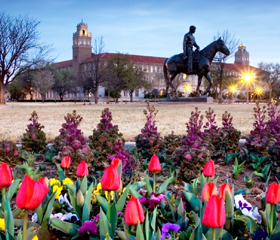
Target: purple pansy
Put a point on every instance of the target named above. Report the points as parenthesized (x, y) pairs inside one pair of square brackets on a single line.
[(88, 227), (168, 227)]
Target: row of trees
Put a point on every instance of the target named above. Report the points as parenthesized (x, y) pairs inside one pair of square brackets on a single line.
[(116, 75)]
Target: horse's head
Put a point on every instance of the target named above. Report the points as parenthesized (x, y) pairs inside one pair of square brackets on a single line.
[(221, 47)]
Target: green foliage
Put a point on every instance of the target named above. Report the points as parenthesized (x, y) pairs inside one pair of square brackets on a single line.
[(237, 168), (17, 91), (34, 140)]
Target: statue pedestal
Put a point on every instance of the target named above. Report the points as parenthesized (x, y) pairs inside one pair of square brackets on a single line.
[(187, 100)]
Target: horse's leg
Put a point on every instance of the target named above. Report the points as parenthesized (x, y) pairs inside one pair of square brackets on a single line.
[(208, 77), (167, 88), (172, 76), (198, 85)]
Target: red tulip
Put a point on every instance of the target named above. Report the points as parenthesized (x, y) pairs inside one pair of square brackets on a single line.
[(116, 162), (65, 162), (208, 190), (154, 165), (31, 193), (224, 189), (6, 176), (110, 180), (273, 193), (209, 169), (134, 213), (214, 215), (82, 169)]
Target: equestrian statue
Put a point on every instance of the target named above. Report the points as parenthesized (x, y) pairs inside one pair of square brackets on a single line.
[(189, 62)]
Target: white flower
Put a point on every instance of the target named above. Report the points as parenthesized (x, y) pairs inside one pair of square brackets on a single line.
[(68, 216), (34, 217), (247, 208), (63, 199)]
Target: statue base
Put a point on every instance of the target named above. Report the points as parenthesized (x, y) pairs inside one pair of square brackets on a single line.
[(187, 100)]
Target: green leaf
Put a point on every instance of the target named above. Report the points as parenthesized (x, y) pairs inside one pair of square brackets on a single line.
[(48, 210), (60, 173), (276, 232), (9, 220), (66, 227), (19, 236), (87, 205), (102, 201), (147, 226), (113, 219), (122, 199), (104, 227), (135, 194), (139, 233), (136, 186), (153, 220), (194, 201), (148, 185), (197, 233), (164, 185), (73, 201), (84, 185), (71, 187), (251, 224), (39, 212), (13, 188)]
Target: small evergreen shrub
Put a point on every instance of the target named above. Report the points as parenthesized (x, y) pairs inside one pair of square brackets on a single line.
[(34, 140)]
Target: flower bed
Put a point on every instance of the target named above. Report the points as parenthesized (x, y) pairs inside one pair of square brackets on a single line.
[(198, 185)]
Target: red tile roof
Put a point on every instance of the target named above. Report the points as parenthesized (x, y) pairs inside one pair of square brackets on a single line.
[(64, 63), (134, 58)]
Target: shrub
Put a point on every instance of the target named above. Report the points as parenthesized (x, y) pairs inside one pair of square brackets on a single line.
[(107, 143), (71, 142), (9, 153), (149, 142), (34, 140)]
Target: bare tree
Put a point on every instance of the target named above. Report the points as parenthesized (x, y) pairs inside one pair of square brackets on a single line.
[(44, 80), (220, 59), (19, 48), (271, 75)]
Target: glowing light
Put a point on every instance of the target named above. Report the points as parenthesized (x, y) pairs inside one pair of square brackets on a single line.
[(161, 92), (187, 88), (184, 76), (259, 90), (232, 88)]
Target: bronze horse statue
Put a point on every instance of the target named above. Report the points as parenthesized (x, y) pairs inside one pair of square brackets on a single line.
[(201, 65)]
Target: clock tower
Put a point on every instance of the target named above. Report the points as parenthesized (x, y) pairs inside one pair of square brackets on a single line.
[(242, 56), (81, 45)]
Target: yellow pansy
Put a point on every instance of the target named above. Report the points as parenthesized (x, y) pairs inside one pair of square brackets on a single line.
[(2, 224), (98, 189), (35, 238), (58, 190), (54, 181), (67, 181), (112, 193), (93, 198)]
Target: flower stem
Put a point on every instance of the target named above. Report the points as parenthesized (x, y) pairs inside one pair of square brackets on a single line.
[(154, 182), (24, 224), (271, 219), (3, 198), (214, 233)]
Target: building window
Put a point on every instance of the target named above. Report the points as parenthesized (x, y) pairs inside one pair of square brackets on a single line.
[(151, 69), (85, 67), (136, 92)]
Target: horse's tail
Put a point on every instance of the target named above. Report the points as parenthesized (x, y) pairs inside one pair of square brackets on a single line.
[(165, 72)]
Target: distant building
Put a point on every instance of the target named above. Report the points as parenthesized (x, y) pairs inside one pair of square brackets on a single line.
[(83, 63)]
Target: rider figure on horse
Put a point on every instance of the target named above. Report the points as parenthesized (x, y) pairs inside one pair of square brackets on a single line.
[(188, 43)]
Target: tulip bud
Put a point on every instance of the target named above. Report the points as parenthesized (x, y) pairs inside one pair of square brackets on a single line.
[(65, 162), (208, 190), (134, 213), (214, 215), (80, 198), (110, 180), (6, 176), (154, 165), (209, 169), (273, 193), (82, 169), (224, 189)]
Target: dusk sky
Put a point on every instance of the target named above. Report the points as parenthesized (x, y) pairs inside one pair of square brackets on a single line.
[(153, 27)]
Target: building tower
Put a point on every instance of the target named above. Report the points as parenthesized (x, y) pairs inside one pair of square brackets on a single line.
[(242, 56), (81, 45)]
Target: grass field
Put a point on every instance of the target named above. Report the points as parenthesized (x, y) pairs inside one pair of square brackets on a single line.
[(129, 117)]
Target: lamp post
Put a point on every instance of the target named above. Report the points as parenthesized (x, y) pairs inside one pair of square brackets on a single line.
[(232, 90), (187, 88)]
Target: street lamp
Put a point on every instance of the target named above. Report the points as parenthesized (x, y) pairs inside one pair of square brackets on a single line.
[(259, 91), (247, 78), (187, 88), (232, 90)]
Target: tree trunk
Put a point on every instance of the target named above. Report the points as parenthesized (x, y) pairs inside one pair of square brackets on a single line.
[(131, 96), (96, 96), (2, 93)]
